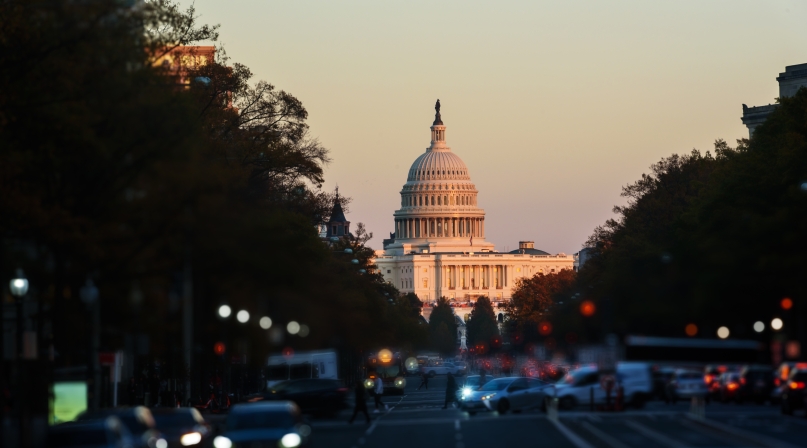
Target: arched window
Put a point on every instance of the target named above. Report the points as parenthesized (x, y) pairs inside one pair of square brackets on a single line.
[(432, 200), (438, 200)]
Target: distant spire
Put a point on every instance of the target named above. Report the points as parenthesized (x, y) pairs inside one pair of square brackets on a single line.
[(437, 119)]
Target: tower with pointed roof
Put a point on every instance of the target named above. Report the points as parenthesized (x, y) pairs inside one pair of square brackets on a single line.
[(337, 224)]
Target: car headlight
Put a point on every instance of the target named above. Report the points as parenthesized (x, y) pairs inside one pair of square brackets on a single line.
[(160, 443), (368, 384), (290, 440), (400, 382), (488, 396), (466, 391), (191, 438), (222, 442)]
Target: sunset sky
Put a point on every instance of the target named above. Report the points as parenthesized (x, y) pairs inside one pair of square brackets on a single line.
[(553, 106)]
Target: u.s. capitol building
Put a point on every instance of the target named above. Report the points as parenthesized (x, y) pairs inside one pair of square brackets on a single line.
[(438, 248)]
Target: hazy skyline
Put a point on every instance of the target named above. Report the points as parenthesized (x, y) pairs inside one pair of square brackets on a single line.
[(553, 106)]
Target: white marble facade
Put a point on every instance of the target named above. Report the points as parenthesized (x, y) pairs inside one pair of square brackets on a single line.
[(439, 248)]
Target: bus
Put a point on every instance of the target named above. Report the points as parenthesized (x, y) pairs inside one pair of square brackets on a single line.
[(390, 368), (300, 365)]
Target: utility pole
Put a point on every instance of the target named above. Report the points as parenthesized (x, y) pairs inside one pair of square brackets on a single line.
[(187, 320)]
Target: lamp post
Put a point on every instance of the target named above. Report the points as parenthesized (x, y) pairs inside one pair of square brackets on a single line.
[(89, 295), (19, 287)]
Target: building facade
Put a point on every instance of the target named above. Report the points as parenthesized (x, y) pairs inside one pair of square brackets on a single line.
[(790, 81), (439, 248)]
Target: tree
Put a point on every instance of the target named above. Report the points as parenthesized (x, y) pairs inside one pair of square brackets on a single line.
[(534, 299), (443, 328), (482, 325)]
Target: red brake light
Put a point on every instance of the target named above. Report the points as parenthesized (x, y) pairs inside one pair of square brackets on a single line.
[(797, 385), (732, 386), (742, 380)]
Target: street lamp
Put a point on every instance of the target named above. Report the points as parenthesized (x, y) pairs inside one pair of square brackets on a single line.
[(293, 327), (777, 324), (242, 316), (266, 322), (19, 287)]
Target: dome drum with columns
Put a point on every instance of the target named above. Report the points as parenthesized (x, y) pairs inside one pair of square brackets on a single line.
[(438, 248)]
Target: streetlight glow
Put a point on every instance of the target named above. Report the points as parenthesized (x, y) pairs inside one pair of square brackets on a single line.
[(266, 323), (777, 324), (723, 332), (225, 311), (18, 285), (293, 327), (242, 316), (759, 326)]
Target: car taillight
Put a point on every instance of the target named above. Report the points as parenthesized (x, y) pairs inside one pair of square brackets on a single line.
[(742, 380), (797, 385), (732, 386), (707, 379), (777, 382)]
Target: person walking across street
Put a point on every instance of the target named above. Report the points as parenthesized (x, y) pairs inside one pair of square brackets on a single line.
[(424, 380), (379, 391), (361, 402), (451, 390)]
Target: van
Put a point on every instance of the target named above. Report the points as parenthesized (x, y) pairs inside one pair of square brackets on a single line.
[(578, 387)]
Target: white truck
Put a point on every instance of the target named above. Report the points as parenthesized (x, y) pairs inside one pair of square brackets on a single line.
[(300, 365)]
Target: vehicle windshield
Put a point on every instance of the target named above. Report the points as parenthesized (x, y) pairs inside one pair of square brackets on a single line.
[(573, 376), (388, 371), (496, 385), (260, 419)]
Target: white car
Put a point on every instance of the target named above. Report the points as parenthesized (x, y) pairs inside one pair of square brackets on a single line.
[(579, 386), (687, 384), (435, 367)]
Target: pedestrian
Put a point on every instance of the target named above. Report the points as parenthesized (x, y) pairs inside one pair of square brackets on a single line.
[(451, 390), (361, 402), (379, 391), (424, 380)]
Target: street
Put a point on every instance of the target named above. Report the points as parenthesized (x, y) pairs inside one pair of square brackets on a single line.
[(416, 419)]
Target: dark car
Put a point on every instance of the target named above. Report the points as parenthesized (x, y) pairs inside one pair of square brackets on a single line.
[(729, 386), (182, 426), (264, 424), (314, 396), (137, 420), (756, 383), (793, 395), (107, 432)]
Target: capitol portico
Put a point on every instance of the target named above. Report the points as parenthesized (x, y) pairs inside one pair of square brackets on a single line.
[(438, 248)]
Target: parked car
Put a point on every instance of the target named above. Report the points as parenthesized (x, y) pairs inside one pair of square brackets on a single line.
[(182, 426), (504, 394), (582, 385), (686, 384), (315, 396), (277, 423), (138, 420), (793, 391), (107, 432), (756, 383)]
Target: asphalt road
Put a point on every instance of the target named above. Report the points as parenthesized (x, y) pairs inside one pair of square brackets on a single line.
[(417, 420)]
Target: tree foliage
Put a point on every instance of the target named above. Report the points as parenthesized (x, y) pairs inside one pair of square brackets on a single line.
[(482, 325), (709, 239), (443, 328)]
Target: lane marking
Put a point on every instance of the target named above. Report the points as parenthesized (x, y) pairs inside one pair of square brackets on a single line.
[(571, 436), (752, 436), (607, 438), (656, 436)]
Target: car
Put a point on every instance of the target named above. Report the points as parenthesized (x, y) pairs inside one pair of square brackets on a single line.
[(728, 386), (756, 383), (686, 384), (138, 420), (792, 391), (439, 367), (503, 395), (107, 432), (268, 423), (317, 396), (461, 366), (471, 383), (182, 426)]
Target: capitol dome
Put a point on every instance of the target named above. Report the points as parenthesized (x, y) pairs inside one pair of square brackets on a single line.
[(438, 165), (439, 209)]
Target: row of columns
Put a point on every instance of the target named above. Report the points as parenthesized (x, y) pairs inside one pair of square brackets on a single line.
[(439, 227), (475, 276)]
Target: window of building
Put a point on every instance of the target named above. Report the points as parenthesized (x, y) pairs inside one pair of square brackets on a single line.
[(425, 283)]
